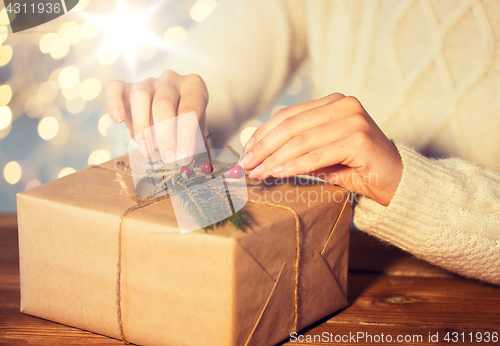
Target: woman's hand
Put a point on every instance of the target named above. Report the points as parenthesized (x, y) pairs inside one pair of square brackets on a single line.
[(154, 100), (333, 138)]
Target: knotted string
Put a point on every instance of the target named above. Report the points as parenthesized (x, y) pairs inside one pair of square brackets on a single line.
[(120, 169)]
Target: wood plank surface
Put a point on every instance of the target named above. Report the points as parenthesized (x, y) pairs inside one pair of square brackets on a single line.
[(391, 295)]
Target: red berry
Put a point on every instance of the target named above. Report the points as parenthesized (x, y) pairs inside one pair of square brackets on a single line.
[(237, 171), (207, 167), (186, 170)]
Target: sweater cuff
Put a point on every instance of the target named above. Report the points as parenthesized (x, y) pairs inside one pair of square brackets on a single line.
[(416, 205)]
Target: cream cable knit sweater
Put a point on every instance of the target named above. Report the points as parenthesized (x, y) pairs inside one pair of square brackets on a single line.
[(427, 71)]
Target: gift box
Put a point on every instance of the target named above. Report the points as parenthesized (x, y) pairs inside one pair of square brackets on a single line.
[(92, 258)]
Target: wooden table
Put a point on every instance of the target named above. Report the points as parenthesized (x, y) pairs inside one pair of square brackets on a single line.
[(391, 293)]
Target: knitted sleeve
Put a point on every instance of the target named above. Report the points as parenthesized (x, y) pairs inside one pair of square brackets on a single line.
[(446, 212)]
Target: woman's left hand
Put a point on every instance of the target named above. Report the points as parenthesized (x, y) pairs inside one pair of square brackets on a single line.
[(333, 138)]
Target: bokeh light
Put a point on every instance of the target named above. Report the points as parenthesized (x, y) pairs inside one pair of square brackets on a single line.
[(75, 105), (175, 36), (202, 9), (4, 32), (5, 54), (5, 132), (48, 128), (46, 42), (104, 123), (82, 4), (59, 48), (72, 92), (91, 88), (69, 76), (5, 95), (246, 134), (62, 135), (32, 183), (33, 107), (66, 171), (107, 56), (12, 172), (126, 32), (54, 75), (4, 18), (146, 52), (71, 32), (89, 29), (47, 92), (99, 156), (5, 117)]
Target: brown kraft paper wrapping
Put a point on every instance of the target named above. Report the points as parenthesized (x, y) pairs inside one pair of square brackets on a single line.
[(221, 287)]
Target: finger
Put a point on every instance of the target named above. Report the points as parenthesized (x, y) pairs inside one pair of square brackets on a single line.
[(305, 142), (337, 153), (128, 117), (285, 113), (192, 104), (345, 107), (115, 100), (285, 131), (164, 116), (140, 104)]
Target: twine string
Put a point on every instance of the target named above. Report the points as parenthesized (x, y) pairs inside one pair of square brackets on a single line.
[(297, 256), (122, 169)]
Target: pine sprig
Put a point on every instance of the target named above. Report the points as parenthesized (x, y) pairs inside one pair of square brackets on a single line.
[(205, 201), (238, 219)]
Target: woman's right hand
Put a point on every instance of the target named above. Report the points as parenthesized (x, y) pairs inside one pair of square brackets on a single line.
[(154, 100)]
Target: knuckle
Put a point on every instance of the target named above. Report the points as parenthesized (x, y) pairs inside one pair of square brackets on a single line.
[(162, 103), (351, 99), (300, 139), (140, 92), (281, 113), (362, 138), (335, 97), (352, 102), (314, 156), (359, 122), (169, 74), (194, 78), (288, 123)]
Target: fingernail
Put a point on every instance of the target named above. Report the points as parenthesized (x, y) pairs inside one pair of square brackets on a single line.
[(277, 169), (168, 157), (183, 157), (249, 145), (257, 172), (247, 159), (117, 116)]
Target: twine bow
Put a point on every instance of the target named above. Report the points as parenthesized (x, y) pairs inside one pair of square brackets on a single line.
[(122, 169)]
